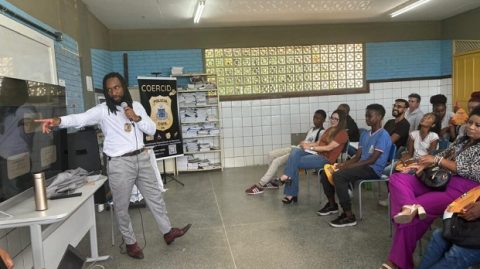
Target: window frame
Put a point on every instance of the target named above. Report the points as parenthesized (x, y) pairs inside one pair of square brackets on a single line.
[(341, 91)]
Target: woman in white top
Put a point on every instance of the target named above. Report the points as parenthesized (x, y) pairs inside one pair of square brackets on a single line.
[(422, 141)]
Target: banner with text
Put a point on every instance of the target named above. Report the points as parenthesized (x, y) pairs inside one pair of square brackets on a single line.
[(158, 96)]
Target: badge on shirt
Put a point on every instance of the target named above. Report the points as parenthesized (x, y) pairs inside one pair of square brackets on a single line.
[(127, 127), (371, 149)]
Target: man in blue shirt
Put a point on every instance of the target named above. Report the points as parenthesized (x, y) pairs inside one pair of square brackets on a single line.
[(367, 163)]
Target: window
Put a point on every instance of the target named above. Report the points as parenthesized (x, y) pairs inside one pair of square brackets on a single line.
[(286, 70)]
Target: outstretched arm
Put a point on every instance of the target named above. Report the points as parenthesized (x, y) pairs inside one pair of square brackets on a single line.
[(48, 124)]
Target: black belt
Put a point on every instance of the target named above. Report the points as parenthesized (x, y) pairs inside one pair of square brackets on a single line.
[(132, 153)]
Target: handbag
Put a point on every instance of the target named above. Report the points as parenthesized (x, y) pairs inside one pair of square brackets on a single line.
[(435, 177), (458, 230), (462, 232)]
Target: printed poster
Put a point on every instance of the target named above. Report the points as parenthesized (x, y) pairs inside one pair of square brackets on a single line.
[(158, 96)]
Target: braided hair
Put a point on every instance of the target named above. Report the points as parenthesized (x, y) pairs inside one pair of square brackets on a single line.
[(127, 98)]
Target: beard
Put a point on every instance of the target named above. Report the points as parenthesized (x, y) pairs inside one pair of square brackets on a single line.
[(395, 113)]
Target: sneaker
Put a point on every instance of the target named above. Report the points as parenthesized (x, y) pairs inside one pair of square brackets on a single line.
[(270, 185), (254, 190), (328, 209), (383, 202), (343, 221)]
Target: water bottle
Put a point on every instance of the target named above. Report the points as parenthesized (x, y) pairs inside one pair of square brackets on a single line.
[(40, 192)]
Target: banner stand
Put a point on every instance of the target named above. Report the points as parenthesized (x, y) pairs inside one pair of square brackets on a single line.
[(158, 95)]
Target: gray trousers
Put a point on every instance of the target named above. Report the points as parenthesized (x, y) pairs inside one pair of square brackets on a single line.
[(123, 173)]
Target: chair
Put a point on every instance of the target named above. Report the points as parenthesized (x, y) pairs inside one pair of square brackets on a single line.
[(383, 178)]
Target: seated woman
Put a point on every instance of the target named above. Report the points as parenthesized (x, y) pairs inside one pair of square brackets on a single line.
[(442, 126), (315, 155), (442, 254), (422, 141), (410, 197)]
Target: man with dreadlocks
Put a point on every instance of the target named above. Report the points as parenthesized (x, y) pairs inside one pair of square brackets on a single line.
[(123, 123)]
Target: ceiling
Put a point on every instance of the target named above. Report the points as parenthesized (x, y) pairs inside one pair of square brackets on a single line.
[(155, 14)]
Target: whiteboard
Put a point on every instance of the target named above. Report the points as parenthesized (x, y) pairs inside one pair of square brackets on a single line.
[(25, 53)]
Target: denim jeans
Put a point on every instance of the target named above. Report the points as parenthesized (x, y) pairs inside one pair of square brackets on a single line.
[(441, 254), (300, 159)]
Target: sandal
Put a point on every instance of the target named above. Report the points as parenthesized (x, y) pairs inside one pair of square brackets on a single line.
[(385, 266), (408, 213)]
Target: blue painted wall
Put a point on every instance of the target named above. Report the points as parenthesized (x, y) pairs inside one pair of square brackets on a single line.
[(384, 60), (408, 59)]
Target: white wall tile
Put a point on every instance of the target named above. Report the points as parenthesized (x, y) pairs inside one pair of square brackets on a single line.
[(228, 142), (226, 104), (229, 153), (227, 132), (229, 162), (249, 161), (266, 140), (237, 142), (248, 141), (256, 130), (248, 151), (247, 131), (266, 110), (266, 130), (276, 110), (227, 122), (236, 112), (247, 103), (239, 162), (277, 139), (247, 121), (227, 112), (266, 120), (258, 140), (258, 159), (267, 149), (238, 152), (258, 151), (257, 121), (273, 120), (246, 112), (265, 102), (256, 110), (276, 101)]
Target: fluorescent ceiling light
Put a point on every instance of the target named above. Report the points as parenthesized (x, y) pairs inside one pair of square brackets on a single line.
[(408, 8), (199, 11)]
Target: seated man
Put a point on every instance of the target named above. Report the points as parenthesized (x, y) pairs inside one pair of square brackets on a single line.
[(279, 157), (368, 162), (398, 127)]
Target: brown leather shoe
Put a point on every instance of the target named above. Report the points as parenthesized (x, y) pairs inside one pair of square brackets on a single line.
[(174, 233), (134, 251)]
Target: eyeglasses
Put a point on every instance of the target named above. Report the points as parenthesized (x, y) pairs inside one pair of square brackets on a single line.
[(335, 119)]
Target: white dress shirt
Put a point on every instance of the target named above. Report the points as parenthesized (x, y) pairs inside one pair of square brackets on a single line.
[(118, 140)]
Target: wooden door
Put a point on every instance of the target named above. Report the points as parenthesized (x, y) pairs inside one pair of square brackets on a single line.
[(466, 76)]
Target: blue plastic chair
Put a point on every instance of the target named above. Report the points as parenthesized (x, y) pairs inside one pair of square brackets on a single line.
[(383, 178)]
